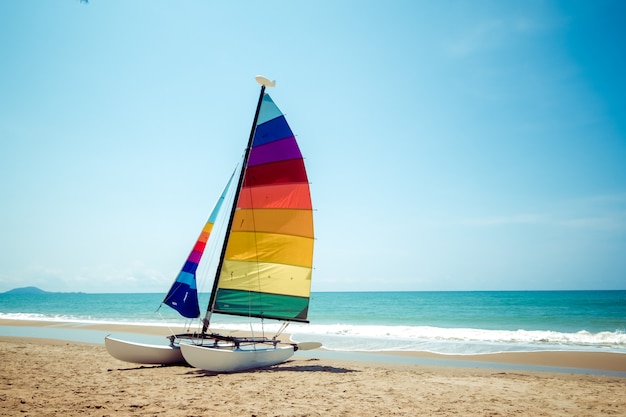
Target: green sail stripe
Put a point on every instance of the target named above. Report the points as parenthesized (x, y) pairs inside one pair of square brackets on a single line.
[(254, 304)]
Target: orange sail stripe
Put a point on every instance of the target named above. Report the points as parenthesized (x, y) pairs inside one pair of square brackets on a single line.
[(287, 222), (294, 196)]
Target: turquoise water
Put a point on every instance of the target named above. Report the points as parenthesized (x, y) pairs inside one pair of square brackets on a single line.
[(443, 322)]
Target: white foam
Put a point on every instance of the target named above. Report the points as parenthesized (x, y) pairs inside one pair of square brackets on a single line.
[(410, 338), (459, 340)]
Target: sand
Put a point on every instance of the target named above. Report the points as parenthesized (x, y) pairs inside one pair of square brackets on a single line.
[(44, 377)]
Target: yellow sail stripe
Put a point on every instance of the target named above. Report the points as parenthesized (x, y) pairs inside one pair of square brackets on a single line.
[(276, 278), (270, 247)]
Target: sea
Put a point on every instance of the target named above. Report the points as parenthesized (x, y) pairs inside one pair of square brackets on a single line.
[(447, 322)]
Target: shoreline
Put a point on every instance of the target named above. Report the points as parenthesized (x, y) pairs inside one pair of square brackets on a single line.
[(566, 361), (55, 377)]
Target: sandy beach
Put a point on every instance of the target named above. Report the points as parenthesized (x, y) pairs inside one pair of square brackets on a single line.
[(46, 377)]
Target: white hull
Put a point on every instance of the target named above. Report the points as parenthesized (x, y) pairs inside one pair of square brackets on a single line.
[(233, 360), (143, 353)]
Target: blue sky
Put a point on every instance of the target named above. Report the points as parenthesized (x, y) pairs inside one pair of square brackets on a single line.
[(451, 145)]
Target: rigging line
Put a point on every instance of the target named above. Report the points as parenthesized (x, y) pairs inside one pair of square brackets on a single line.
[(282, 328), (186, 325), (216, 236), (252, 330)]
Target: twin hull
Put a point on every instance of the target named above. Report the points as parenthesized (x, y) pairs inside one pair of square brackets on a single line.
[(233, 360), (220, 359), (143, 353)]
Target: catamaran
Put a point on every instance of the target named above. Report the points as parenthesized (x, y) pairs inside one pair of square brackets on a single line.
[(265, 264)]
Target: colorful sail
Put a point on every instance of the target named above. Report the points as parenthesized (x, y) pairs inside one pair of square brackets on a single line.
[(266, 271), (183, 296)]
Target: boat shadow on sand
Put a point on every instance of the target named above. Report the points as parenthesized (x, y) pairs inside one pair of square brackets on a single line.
[(290, 366), (140, 367)]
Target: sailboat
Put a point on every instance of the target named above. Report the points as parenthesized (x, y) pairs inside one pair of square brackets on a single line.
[(265, 263)]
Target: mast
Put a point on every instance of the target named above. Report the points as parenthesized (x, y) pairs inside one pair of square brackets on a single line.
[(207, 317)]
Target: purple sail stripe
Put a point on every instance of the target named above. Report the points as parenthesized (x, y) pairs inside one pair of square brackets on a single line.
[(195, 256), (279, 150)]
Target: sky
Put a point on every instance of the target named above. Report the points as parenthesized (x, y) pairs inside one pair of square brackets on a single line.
[(450, 145)]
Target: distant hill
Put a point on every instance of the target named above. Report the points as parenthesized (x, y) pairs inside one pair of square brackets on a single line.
[(26, 290)]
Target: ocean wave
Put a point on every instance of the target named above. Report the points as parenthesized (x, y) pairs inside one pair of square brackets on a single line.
[(61, 318), (446, 340), (582, 337), (456, 340), (349, 337)]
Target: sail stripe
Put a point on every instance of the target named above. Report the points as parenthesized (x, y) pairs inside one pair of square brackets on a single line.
[(280, 172), (270, 247), (273, 306), (204, 236), (187, 278), (288, 222), (278, 150), (199, 247), (272, 130), (189, 267), (195, 257), (269, 110), (285, 196), (284, 279)]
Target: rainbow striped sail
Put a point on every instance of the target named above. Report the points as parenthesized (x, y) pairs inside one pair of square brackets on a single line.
[(266, 264), (183, 295)]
